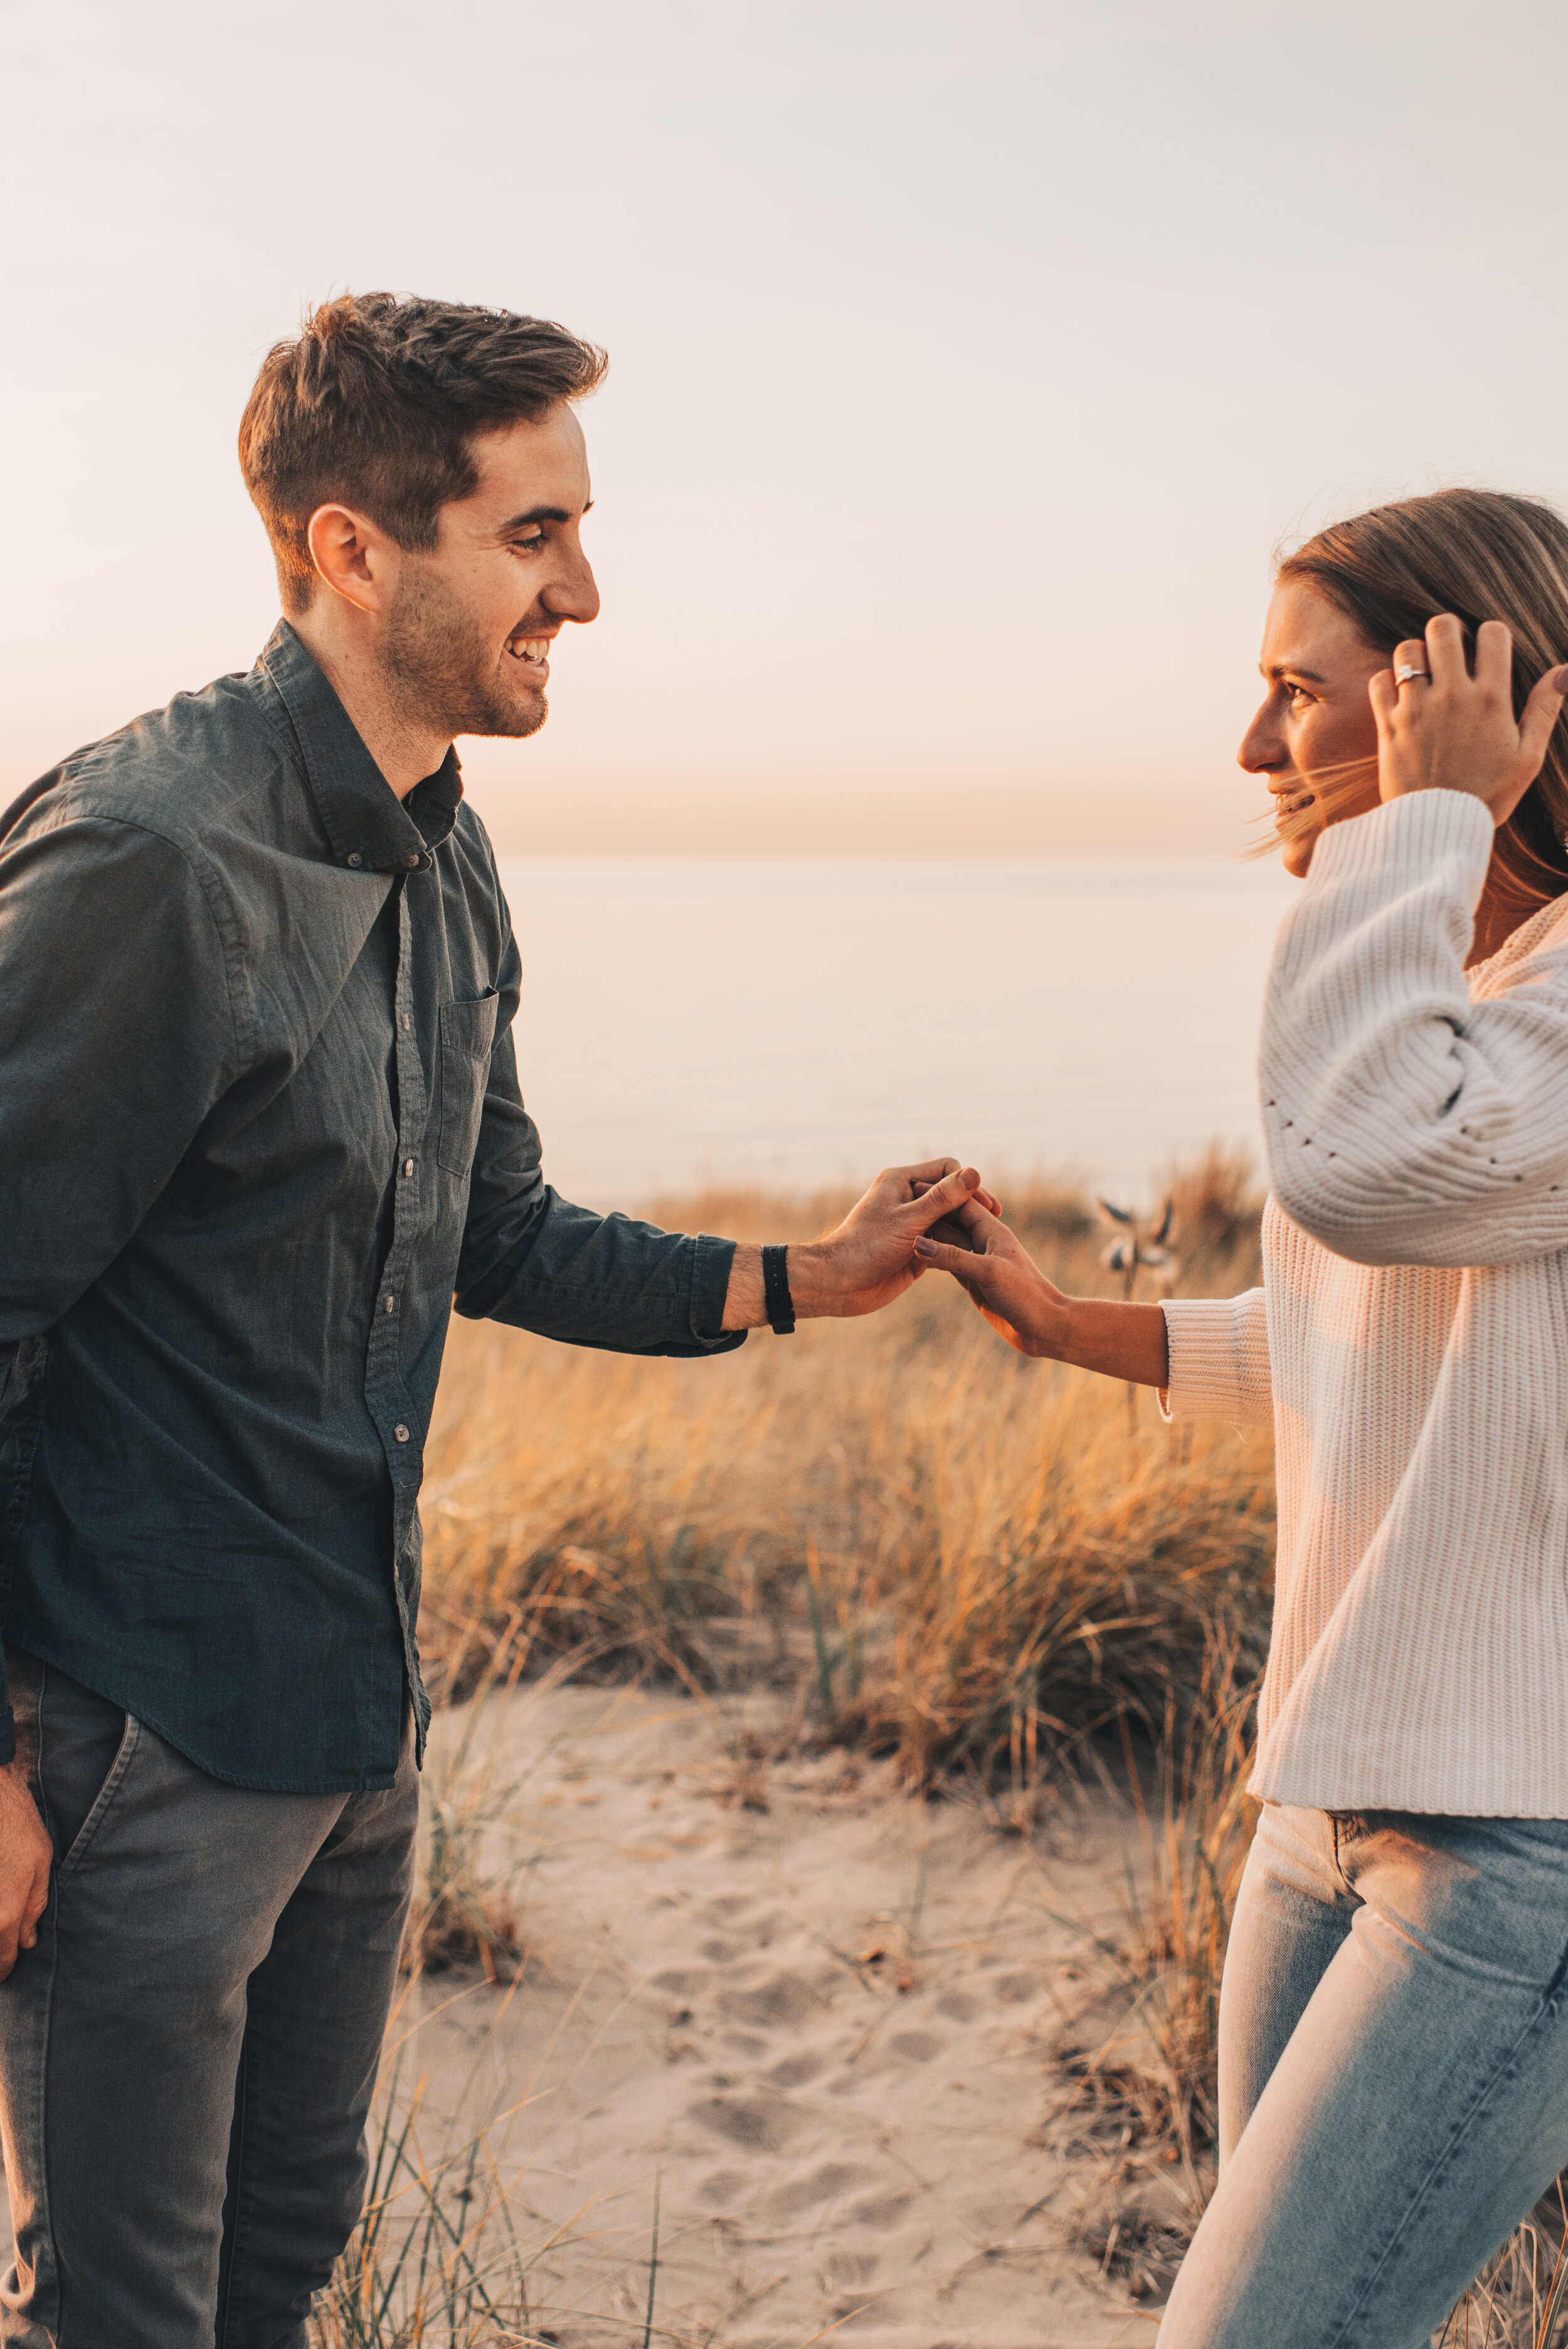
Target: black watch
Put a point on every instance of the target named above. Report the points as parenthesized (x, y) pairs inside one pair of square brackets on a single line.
[(776, 1301)]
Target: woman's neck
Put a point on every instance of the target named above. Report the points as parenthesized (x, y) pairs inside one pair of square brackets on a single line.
[(1503, 908)]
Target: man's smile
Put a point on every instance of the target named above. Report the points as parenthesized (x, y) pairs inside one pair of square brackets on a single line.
[(533, 650)]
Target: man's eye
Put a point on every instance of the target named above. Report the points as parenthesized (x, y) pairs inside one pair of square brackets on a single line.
[(529, 543), (1298, 694)]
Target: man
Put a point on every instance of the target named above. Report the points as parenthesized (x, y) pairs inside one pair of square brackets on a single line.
[(260, 1120)]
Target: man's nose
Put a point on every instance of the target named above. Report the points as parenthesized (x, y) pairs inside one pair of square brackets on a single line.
[(575, 595)]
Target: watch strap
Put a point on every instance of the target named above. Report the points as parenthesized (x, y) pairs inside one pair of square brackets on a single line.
[(776, 1301)]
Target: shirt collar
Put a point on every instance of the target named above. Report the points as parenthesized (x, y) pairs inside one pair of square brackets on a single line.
[(365, 821)]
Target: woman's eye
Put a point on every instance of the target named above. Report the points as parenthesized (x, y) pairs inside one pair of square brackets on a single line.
[(1298, 694)]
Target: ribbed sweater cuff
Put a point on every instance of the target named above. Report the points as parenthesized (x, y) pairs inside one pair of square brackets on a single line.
[(1219, 1359), (1417, 831)]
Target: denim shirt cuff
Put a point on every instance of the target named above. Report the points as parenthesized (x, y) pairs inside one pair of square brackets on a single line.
[(711, 1261)]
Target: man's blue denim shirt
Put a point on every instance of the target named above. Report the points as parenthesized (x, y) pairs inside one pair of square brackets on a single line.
[(259, 1120)]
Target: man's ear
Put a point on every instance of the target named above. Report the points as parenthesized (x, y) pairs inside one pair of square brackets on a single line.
[(356, 559)]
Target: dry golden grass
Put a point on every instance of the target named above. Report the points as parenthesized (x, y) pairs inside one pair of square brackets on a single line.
[(972, 1561), (967, 1556)]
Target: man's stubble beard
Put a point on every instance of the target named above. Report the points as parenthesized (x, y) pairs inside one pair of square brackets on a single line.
[(441, 674)]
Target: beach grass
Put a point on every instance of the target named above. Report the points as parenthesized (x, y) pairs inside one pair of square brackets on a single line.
[(976, 1563), (960, 1555)]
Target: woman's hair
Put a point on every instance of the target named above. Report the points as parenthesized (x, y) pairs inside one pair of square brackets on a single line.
[(1482, 555)]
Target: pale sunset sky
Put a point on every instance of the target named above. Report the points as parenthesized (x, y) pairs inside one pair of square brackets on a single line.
[(967, 364)]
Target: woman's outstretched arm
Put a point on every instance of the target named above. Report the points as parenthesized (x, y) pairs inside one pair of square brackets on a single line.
[(1208, 1356), (1124, 1341)]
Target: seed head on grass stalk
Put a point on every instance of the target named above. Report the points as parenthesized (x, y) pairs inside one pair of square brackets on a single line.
[(1132, 1251)]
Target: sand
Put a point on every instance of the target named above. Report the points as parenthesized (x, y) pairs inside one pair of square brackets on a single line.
[(814, 2018)]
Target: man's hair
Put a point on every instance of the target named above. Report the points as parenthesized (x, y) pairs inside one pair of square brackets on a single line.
[(377, 404)]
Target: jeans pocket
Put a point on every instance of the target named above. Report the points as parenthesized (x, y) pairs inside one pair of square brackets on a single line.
[(468, 1034), (72, 1858)]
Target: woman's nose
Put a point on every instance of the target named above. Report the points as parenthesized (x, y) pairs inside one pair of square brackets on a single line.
[(1262, 749)]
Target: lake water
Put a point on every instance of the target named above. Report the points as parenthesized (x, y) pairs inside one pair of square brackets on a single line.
[(791, 1023)]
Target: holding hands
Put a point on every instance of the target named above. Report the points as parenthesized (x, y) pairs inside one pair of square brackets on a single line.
[(865, 1262), (1441, 728)]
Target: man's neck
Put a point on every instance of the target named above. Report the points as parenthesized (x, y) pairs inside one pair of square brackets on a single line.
[(405, 750)]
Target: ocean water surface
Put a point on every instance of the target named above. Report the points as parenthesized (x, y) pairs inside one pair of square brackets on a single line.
[(790, 1022)]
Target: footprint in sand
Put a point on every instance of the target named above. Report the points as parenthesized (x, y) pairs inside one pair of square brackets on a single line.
[(681, 1981), (781, 2004), (917, 2046), (829, 2182), (1017, 1988), (760, 2122), (795, 2071), (879, 2209)]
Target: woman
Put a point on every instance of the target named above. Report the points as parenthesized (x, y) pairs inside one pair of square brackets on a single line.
[(1394, 2019)]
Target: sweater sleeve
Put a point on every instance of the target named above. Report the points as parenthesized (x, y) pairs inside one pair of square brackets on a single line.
[(1219, 1359), (1405, 1122)]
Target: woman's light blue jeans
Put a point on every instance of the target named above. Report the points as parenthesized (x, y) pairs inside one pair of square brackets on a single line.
[(1393, 2076)]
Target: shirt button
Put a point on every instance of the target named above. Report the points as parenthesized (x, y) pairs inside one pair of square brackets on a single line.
[(401, 1432), (391, 1305), (406, 1021), (353, 857), (408, 1166), (411, 861)]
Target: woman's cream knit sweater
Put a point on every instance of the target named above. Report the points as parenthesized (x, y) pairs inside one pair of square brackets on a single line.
[(1411, 1339)]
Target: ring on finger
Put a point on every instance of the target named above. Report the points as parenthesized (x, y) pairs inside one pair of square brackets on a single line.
[(1403, 676)]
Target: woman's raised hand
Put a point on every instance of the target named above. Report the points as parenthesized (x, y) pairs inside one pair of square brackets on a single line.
[(1442, 729), (1002, 1279)]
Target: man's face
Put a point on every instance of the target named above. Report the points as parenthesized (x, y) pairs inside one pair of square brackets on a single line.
[(469, 635)]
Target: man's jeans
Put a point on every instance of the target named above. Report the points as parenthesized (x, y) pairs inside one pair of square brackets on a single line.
[(186, 2057), (1393, 2076)]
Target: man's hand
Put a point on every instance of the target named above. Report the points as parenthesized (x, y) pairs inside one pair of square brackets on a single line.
[(869, 1259), (27, 1857), (866, 1261), (1442, 729)]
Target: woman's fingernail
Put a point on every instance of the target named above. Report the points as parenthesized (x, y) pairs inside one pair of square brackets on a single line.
[(1560, 682), (925, 1247)]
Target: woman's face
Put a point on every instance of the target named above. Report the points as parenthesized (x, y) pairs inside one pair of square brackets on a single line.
[(1314, 738)]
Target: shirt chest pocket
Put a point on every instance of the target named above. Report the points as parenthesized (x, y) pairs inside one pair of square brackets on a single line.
[(467, 1033)]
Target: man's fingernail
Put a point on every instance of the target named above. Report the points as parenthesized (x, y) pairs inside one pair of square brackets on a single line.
[(1560, 682)]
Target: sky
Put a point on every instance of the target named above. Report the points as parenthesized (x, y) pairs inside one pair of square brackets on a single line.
[(967, 364)]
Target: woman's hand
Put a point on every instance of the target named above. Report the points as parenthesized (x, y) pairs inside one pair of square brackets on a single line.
[(1442, 729), (1001, 1279), (1005, 1283)]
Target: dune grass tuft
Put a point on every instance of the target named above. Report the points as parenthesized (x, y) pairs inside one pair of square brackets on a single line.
[(969, 1557)]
